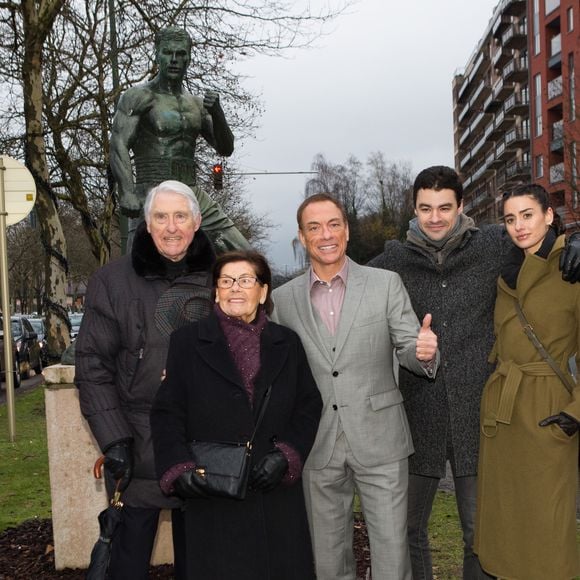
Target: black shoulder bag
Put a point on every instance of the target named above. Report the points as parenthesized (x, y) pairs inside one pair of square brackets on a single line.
[(225, 465)]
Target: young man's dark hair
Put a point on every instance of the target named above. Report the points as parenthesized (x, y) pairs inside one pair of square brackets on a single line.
[(438, 177)]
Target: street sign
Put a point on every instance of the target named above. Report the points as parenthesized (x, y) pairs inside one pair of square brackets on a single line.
[(19, 190)]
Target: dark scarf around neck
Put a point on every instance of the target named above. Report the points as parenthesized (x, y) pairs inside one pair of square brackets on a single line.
[(243, 342)]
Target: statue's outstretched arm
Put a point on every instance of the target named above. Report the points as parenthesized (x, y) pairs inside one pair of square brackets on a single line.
[(216, 130)]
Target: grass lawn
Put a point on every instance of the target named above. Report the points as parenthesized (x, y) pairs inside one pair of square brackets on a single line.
[(25, 491), (24, 484)]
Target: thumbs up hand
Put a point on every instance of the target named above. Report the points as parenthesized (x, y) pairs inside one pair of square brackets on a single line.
[(426, 341)]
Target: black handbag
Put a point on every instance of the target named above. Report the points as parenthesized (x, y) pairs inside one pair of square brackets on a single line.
[(225, 465)]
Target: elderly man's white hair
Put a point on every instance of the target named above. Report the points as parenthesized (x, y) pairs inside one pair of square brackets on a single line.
[(173, 187)]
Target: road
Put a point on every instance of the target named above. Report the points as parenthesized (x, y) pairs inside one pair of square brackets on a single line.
[(27, 385)]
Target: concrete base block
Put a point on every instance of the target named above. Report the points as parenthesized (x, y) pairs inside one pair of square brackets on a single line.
[(77, 497)]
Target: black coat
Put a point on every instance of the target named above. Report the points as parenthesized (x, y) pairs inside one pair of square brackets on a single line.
[(266, 535), (132, 306)]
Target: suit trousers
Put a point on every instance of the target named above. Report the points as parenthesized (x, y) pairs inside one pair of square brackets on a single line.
[(382, 490), (133, 541), (422, 491)]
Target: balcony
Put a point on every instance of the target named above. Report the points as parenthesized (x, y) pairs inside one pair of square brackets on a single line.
[(502, 22), (475, 123), (491, 104), (516, 104), (516, 70), (516, 36), (464, 136), (518, 170), (551, 5), (514, 7), (500, 150), (555, 88), (502, 89), (464, 113), (492, 161), (478, 95), (501, 56), (478, 146), (503, 120), (516, 138), (557, 173), (465, 160), (478, 173), (557, 137), (555, 60)]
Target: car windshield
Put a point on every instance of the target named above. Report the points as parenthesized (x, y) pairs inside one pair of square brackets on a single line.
[(75, 319), (15, 326), (37, 324)]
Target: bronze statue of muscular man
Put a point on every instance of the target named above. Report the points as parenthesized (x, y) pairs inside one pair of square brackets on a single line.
[(159, 122)]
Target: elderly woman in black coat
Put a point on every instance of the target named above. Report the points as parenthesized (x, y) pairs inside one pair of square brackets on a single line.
[(217, 372)]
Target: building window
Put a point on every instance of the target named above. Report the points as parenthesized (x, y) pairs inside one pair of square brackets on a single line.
[(538, 104), (570, 18), (536, 26), (539, 169), (571, 87)]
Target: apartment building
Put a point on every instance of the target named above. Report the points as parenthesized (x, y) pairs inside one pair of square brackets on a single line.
[(513, 104), (554, 43)]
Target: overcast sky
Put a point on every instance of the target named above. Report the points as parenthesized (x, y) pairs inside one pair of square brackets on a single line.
[(380, 81)]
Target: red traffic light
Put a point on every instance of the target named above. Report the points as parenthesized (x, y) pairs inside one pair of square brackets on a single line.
[(217, 172)]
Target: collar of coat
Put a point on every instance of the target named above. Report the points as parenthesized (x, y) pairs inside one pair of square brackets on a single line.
[(147, 260), (274, 347)]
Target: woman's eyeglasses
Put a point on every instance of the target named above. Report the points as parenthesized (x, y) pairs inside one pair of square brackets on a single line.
[(245, 282)]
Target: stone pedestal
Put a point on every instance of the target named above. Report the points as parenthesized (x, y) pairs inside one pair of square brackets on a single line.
[(77, 497)]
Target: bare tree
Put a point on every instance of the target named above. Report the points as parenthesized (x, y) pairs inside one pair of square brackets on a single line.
[(377, 202), (55, 60)]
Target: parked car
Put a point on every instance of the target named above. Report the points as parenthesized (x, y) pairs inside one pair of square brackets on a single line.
[(27, 347), (16, 366), (75, 322), (39, 328)]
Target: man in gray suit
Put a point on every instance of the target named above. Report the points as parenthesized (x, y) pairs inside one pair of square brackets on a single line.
[(350, 318)]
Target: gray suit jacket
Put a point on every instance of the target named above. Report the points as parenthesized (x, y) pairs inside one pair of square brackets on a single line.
[(356, 381)]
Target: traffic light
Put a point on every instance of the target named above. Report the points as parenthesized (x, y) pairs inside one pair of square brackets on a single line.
[(217, 172)]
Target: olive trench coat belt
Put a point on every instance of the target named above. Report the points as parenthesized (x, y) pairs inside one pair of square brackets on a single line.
[(513, 374)]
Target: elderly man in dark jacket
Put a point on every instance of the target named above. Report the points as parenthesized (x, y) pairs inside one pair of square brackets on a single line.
[(450, 269), (132, 306)]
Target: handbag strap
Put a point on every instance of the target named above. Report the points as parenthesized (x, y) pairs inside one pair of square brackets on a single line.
[(528, 329), (261, 413)]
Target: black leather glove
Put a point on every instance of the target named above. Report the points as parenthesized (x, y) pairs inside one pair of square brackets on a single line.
[(568, 424), (270, 471), (119, 463), (570, 259), (189, 484)]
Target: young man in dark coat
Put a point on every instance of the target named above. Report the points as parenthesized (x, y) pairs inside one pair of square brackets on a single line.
[(132, 306), (450, 269)]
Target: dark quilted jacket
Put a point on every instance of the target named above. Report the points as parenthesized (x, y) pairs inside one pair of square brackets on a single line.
[(131, 307)]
